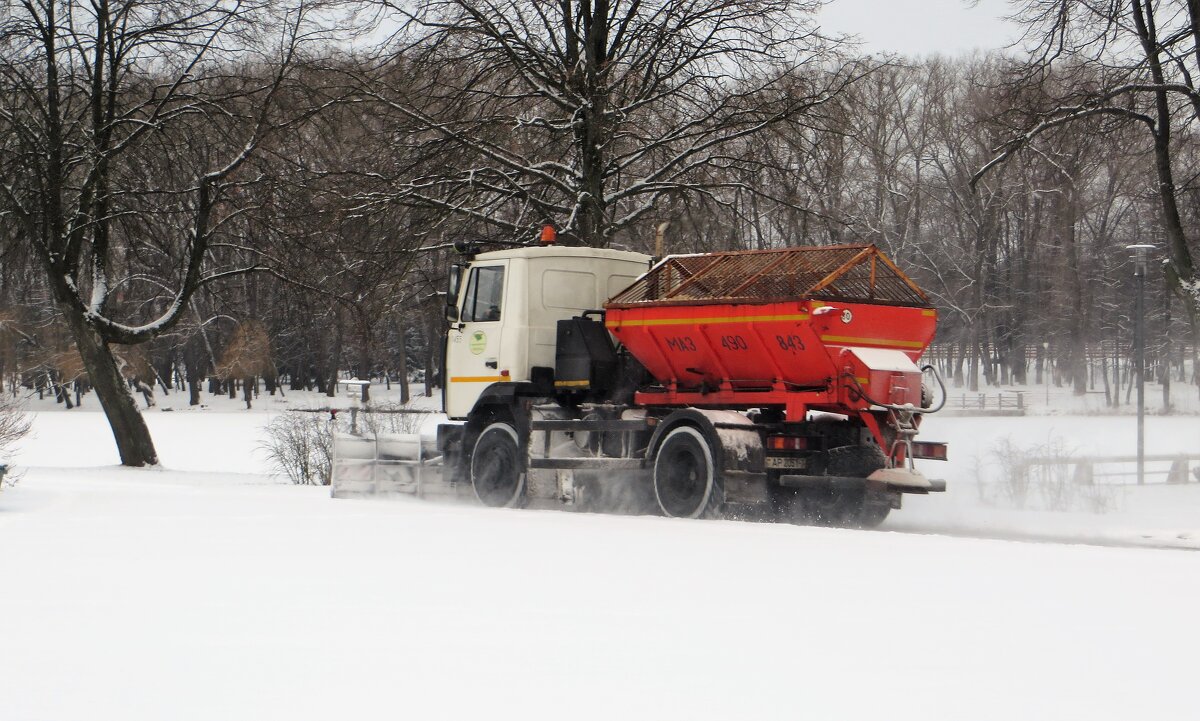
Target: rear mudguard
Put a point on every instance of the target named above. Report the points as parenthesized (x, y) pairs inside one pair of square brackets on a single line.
[(737, 446)]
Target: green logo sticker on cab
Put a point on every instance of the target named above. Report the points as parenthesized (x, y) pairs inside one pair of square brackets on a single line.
[(478, 342)]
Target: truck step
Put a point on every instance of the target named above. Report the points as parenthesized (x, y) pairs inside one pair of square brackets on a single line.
[(613, 464), (554, 424)]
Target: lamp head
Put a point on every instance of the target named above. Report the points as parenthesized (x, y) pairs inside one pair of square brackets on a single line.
[(1140, 252)]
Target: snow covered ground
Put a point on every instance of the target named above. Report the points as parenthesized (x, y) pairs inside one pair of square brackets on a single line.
[(208, 590)]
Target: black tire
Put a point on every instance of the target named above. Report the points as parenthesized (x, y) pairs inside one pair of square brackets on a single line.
[(687, 482), (857, 508), (872, 510), (786, 505), (497, 470)]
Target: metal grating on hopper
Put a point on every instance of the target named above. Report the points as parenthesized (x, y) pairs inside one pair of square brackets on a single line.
[(851, 273)]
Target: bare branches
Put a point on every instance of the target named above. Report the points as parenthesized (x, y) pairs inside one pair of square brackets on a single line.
[(587, 115), (1139, 52), (14, 423), (123, 79), (130, 129), (1060, 117)]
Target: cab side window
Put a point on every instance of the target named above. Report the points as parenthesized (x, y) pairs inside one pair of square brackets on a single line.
[(485, 291)]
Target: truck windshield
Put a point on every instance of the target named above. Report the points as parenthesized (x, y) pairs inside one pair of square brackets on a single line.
[(485, 289)]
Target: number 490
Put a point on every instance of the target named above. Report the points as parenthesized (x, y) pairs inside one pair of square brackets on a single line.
[(734, 342)]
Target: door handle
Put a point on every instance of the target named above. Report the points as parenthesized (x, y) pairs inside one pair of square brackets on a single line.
[(491, 364)]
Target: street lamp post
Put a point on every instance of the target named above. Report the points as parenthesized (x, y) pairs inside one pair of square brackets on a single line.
[(1141, 252)]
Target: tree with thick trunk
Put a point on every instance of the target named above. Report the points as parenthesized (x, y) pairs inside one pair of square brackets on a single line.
[(124, 132), (1127, 61), (587, 114)]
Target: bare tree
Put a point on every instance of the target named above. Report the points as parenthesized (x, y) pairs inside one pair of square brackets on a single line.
[(1125, 61), (126, 127), (339, 237), (14, 424), (586, 114)]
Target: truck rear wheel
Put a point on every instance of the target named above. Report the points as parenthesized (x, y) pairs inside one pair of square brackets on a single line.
[(851, 507), (687, 483), (497, 473), (857, 508)]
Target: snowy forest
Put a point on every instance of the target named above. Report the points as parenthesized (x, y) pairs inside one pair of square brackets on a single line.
[(247, 197)]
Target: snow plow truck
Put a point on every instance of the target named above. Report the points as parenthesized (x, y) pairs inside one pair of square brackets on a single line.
[(777, 384)]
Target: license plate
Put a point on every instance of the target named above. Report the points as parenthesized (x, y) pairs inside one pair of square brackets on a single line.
[(786, 462)]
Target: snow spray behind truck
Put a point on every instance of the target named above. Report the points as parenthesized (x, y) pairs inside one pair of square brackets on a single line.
[(776, 383)]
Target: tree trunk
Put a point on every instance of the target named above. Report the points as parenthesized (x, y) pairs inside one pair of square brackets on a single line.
[(959, 374), (1181, 269), (435, 346), (1104, 374), (591, 130), (61, 394), (366, 340), (1068, 211), (164, 372), (973, 362), (402, 362), (1195, 351), (1165, 362), (1116, 367), (128, 427), (335, 360)]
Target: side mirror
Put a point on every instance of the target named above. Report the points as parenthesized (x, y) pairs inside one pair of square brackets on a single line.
[(452, 313), (453, 284)]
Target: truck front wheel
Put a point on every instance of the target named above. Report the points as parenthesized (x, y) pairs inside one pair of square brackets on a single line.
[(497, 473), (687, 483)]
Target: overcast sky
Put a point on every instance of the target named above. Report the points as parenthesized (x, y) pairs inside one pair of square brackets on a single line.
[(922, 27)]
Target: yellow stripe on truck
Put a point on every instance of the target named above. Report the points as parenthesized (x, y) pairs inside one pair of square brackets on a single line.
[(478, 379), (885, 342), (704, 321)]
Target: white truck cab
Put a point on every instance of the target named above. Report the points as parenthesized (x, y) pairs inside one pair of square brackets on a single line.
[(505, 306)]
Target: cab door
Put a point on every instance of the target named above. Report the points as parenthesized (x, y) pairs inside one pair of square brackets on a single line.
[(473, 343)]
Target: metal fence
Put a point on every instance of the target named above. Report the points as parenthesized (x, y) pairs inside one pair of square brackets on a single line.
[(1000, 403), (1119, 470)]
